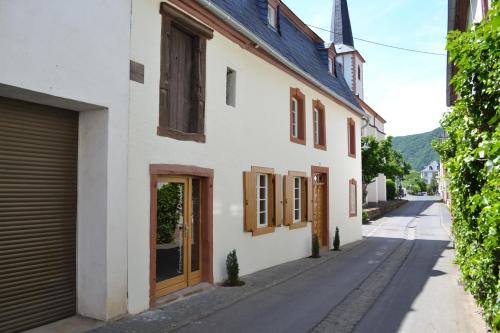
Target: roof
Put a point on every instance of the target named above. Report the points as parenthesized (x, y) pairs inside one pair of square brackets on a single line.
[(368, 108), (294, 41), (341, 24)]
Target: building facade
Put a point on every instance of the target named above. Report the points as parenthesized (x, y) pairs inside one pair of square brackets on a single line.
[(137, 151), (430, 172)]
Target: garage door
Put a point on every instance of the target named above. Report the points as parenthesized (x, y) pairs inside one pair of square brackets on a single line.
[(38, 186)]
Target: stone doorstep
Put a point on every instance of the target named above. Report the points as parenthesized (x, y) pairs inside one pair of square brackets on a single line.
[(184, 293)]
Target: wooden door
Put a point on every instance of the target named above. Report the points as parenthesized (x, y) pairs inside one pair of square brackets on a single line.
[(178, 234), (319, 206)]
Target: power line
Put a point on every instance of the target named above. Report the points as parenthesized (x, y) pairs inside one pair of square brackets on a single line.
[(385, 45)]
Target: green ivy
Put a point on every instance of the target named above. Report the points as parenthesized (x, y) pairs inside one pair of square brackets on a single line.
[(471, 156)]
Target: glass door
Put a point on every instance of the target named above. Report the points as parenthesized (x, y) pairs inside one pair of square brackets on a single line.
[(178, 233)]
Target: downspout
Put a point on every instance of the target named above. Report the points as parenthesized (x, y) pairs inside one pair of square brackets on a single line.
[(262, 44)]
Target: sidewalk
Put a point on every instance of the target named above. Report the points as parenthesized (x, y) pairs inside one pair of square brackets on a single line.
[(176, 314)]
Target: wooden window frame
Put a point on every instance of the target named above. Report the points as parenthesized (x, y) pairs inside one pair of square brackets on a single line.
[(355, 183), (301, 116), (207, 178), (317, 105), (305, 200), (172, 16), (351, 137), (274, 4), (274, 208)]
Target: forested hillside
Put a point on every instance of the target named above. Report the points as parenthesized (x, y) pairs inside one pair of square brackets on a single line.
[(417, 148)]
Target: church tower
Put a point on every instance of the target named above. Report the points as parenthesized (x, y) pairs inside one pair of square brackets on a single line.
[(348, 57)]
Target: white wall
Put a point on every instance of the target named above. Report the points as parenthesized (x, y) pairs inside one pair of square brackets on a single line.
[(75, 54), (255, 132)]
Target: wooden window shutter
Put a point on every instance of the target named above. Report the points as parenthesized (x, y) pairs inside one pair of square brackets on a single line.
[(164, 70), (250, 201), (278, 200), (310, 199), (288, 220)]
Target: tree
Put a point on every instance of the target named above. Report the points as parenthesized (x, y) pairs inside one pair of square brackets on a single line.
[(380, 157), (433, 187), (414, 183), (471, 156)]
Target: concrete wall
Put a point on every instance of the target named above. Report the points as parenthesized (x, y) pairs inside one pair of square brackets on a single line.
[(75, 55), (255, 132)]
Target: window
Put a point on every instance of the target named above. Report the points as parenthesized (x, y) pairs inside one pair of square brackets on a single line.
[(263, 200), (272, 14), (182, 77), (351, 137), (297, 116), (330, 65), (230, 87), (353, 198), (262, 195), (319, 125), (298, 199), (359, 72)]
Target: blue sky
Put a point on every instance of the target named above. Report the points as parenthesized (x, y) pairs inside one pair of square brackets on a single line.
[(407, 89)]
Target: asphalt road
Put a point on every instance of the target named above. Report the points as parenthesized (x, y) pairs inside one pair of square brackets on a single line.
[(400, 279)]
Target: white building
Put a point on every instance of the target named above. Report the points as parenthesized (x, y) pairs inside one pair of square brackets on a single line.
[(430, 172), (109, 107), (351, 63)]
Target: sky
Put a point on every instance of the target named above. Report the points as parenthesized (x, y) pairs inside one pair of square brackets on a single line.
[(407, 89)]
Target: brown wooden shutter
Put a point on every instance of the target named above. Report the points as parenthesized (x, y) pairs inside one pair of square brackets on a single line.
[(278, 200), (309, 199), (288, 220), (165, 70), (38, 204), (250, 201)]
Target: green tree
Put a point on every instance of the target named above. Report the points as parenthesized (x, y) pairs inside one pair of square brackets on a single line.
[(414, 183), (380, 157), (471, 155), (433, 187)]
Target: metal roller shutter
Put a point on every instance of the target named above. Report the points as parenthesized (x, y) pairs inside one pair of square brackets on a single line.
[(38, 186)]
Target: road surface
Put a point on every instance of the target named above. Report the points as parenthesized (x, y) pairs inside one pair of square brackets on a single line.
[(401, 278)]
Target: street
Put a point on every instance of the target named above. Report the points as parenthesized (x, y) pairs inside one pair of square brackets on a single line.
[(400, 279)]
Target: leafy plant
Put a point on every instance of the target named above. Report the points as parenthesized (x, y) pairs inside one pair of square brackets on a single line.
[(380, 157), (336, 240), (433, 187), (315, 246), (414, 183), (390, 186), (233, 269), (365, 217), (169, 211), (471, 156)]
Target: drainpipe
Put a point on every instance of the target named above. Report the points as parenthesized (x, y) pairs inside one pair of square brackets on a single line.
[(262, 44)]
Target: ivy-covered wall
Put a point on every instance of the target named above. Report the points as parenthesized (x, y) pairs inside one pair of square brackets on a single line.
[(471, 155)]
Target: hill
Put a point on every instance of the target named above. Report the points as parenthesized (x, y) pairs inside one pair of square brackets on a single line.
[(417, 149)]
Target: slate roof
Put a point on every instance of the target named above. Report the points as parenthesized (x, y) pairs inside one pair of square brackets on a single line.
[(291, 42), (341, 24)]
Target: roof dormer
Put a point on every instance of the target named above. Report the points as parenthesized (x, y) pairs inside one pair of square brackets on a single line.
[(269, 12), (329, 54)]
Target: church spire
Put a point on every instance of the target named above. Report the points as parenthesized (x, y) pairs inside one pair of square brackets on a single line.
[(341, 24)]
